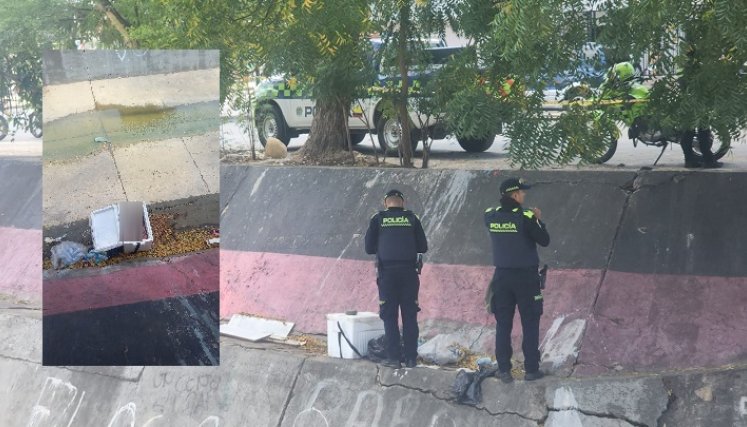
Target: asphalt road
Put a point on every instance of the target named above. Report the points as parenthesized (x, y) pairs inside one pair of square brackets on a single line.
[(447, 154)]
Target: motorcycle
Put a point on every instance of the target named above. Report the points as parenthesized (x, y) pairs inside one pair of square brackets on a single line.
[(27, 121), (623, 97)]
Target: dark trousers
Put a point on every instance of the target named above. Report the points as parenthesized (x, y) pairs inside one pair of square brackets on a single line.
[(512, 288), (398, 290), (705, 142)]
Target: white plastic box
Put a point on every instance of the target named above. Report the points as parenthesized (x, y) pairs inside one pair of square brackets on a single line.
[(123, 224), (358, 328)]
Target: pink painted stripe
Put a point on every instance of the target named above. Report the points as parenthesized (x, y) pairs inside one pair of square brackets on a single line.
[(183, 276), (651, 322), (21, 264), (302, 289)]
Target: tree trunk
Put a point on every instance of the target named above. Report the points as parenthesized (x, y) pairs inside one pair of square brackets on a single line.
[(327, 134), (405, 145), (117, 20)]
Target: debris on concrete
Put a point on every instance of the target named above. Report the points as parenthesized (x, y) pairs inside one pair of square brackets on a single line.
[(67, 253), (313, 344), (467, 385), (213, 241), (50, 240), (442, 350), (254, 328), (166, 242), (126, 225), (348, 334)]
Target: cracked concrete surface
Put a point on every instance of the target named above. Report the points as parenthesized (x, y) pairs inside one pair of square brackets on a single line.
[(283, 386), (152, 172)]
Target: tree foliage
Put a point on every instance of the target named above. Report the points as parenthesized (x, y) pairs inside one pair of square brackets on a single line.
[(697, 49), (26, 28)]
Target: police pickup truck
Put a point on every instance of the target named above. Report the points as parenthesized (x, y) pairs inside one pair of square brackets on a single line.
[(285, 110)]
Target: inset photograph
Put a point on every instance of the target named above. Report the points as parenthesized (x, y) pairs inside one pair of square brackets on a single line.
[(130, 207)]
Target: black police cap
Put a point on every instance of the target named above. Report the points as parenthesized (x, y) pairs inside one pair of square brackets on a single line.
[(513, 184), (393, 192)]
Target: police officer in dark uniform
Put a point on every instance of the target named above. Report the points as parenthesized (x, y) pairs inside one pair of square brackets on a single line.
[(396, 236), (514, 234)]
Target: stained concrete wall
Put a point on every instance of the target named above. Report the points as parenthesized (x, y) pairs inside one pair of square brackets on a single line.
[(264, 385), (69, 66), (630, 288), (20, 229)]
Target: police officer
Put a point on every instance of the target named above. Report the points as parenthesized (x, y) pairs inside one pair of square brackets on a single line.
[(396, 236), (514, 234)]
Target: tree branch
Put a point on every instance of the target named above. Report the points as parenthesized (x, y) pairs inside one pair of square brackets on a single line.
[(118, 21)]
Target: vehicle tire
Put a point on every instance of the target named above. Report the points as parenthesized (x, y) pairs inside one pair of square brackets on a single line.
[(719, 148), (357, 138), (270, 123), (35, 125), (4, 128), (389, 132), (475, 145), (607, 131)]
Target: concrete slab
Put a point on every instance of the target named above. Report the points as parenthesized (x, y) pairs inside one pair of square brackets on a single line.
[(66, 66), (68, 291), (22, 340), (452, 202), (74, 189), (20, 258), (48, 396), (204, 150), (322, 397), (677, 322), (63, 100), (269, 385), (707, 398), (181, 331), (637, 401), (20, 192), (671, 225), (158, 171)]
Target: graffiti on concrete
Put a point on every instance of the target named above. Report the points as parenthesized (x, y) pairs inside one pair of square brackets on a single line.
[(126, 416), (56, 405), (366, 408), (195, 393), (59, 402)]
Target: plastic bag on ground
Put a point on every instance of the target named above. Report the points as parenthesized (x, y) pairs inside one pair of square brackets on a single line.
[(467, 386), (441, 350), (67, 253), (377, 349)]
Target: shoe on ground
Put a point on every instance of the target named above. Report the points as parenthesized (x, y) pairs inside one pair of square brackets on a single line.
[(532, 376), (691, 164), (394, 364), (410, 363), (712, 165), (505, 377)]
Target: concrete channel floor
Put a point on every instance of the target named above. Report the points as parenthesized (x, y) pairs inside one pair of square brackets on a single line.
[(265, 384)]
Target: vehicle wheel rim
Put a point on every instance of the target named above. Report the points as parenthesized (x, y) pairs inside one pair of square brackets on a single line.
[(392, 133), (270, 127)]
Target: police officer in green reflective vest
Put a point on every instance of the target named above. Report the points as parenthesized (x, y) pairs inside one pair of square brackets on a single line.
[(515, 233), (396, 236)]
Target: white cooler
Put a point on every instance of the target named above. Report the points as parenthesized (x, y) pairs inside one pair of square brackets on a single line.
[(358, 328)]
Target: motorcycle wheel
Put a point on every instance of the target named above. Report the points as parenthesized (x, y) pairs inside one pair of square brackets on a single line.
[(720, 146), (608, 132), (3, 128), (35, 125)]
